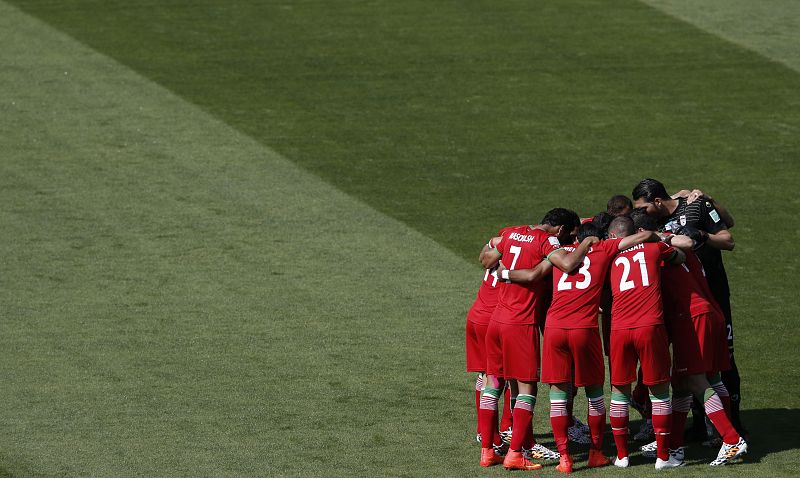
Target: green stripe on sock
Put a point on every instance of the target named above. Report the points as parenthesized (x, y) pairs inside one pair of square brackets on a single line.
[(661, 396), (558, 395), (529, 399), (491, 391), (708, 394), (620, 397)]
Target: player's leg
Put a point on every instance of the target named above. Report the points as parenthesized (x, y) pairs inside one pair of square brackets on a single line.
[(523, 419), (493, 385), (640, 400), (733, 445), (559, 421), (506, 419), (681, 404), (731, 377), (487, 420), (622, 364), (522, 364), (652, 346), (597, 424), (557, 370), (478, 390), (586, 351), (618, 416)]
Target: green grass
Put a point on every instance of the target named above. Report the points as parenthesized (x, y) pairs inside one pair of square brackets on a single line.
[(182, 299)]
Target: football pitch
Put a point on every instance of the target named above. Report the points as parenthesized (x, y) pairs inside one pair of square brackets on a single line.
[(240, 238)]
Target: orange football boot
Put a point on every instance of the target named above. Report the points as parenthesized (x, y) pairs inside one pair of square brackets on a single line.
[(489, 457), (597, 459), (565, 464), (515, 461)]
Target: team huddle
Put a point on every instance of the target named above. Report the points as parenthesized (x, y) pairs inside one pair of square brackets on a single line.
[(652, 269)]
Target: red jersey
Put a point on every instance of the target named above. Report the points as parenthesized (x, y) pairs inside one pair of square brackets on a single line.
[(686, 292), (576, 296), (636, 285), (523, 247), (483, 307)]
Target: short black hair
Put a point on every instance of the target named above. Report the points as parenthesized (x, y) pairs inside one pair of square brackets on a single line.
[(617, 204), (561, 217), (641, 220), (589, 229), (650, 189), (621, 226), (601, 221)]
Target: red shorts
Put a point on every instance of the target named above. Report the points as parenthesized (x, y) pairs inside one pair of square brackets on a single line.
[(699, 345), (476, 347), (512, 351), (648, 345), (565, 350)]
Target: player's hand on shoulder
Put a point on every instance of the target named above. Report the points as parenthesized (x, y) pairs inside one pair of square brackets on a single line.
[(694, 233)]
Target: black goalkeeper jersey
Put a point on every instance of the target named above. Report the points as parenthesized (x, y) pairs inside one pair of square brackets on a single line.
[(702, 215)]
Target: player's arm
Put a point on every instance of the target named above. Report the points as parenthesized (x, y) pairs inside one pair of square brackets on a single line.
[(638, 238), (567, 261), (525, 276), (490, 256), (679, 241), (721, 239)]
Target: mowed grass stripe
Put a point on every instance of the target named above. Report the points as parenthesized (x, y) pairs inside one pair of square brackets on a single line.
[(769, 27), (180, 300)]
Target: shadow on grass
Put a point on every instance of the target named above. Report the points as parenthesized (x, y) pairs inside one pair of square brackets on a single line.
[(772, 430)]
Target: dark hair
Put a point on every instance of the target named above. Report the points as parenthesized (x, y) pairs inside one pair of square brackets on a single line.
[(621, 226), (641, 220), (617, 204), (589, 229), (561, 217), (601, 221), (650, 189)]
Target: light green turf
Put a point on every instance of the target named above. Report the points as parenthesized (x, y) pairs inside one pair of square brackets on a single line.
[(769, 27), (178, 299)]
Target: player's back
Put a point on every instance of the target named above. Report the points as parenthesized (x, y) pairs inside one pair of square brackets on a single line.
[(488, 293), (577, 295), (636, 285), (686, 292), (523, 247)]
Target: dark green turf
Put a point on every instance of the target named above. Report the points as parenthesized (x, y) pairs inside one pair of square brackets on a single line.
[(459, 117), (454, 117)]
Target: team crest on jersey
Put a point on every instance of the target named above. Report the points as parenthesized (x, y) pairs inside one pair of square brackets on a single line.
[(714, 215), (553, 241), (683, 219)]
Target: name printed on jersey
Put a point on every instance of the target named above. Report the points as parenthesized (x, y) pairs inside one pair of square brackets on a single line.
[(633, 248), (515, 236)]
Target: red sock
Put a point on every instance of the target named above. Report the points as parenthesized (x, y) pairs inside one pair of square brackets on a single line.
[(529, 440), (506, 420), (487, 417), (680, 410), (597, 421), (662, 424), (619, 427), (478, 387), (619, 424), (716, 413), (559, 421), (523, 419), (724, 396)]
